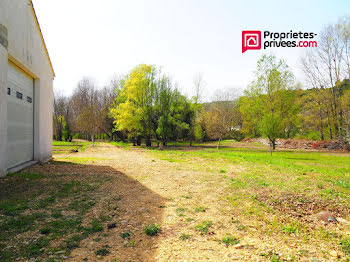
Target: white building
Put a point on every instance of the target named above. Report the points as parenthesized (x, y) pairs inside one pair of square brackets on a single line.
[(26, 94)]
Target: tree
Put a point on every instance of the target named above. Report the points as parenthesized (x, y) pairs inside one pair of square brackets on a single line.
[(218, 120), (134, 110), (199, 89), (345, 102), (270, 127), (107, 96), (87, 107), (270, 98), (59, 104), (329, 65)]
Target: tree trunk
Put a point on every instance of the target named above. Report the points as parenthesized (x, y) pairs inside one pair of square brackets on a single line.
[(138, 141), (148, 142), (218, 144), (93, 139)]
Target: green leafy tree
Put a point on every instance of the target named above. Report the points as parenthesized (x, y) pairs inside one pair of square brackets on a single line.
[(135, 113), (270, 126), (271, 98)]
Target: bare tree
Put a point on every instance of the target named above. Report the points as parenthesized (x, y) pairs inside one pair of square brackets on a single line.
[(87, 107), (329, 65), (218, 120), (106, 97), (199, 86)]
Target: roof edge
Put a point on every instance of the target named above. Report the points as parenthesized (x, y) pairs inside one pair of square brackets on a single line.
[(41, 35)]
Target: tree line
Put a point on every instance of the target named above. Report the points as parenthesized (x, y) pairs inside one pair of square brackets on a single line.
[(146, 104)]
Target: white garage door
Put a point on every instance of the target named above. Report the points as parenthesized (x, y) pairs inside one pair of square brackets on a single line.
[(20, 103)]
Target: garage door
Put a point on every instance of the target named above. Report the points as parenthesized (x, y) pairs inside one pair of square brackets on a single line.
[(20, 104)]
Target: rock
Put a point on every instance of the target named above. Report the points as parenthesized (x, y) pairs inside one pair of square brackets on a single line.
[(64, 257), (238, 246), (124, 222), (112, 225), (60, 252), (326, 216), (143, 209), (335, 254), (342, 220)]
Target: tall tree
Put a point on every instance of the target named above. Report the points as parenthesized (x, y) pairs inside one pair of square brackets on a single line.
[(271, 93), (135, 113), (87, 107)]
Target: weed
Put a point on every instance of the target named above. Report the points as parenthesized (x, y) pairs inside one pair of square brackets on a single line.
[(289, 229), (345, 246), (199, 209), (130, 244), (126, 234), (73, 242), (229, 240), (152, 230), (222, 171), (45, 230), (185, 236), (275, 258), (96, 226), (187, 196), (180, 209), (204, 226), (35, 247), (56, 214), (102, 252)]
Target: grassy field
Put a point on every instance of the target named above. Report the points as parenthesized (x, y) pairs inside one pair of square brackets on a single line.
[(62, 147), (201, 203), (283, 191)]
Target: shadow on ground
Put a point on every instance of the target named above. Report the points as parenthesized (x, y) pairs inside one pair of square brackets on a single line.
[(77, 212)]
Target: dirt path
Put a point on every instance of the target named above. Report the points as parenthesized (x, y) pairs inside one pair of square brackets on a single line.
[(179, 187), (175, 195)]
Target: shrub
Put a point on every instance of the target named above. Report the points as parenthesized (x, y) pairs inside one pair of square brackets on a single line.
[(152, 230)]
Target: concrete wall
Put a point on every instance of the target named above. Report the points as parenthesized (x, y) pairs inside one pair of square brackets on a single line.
[(27, 49), (3, 100)]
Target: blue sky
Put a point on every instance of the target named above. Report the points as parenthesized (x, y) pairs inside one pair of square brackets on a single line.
[(105, 38)]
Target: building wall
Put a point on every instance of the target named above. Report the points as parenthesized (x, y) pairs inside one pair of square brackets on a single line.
[(3, 101), (26, 49)]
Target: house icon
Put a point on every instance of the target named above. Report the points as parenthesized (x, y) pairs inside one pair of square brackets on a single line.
[(251, 41)]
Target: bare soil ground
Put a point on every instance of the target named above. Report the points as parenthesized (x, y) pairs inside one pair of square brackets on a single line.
[(138, 188)]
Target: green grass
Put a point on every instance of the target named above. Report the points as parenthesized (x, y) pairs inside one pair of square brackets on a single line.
[(63, 147), (184, 236), (276, 191), (229, 240), (199, 209), (345, 245), (204, 226), (33, 203)]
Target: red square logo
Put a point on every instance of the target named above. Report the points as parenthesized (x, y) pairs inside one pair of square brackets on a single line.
[(251, 40)]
